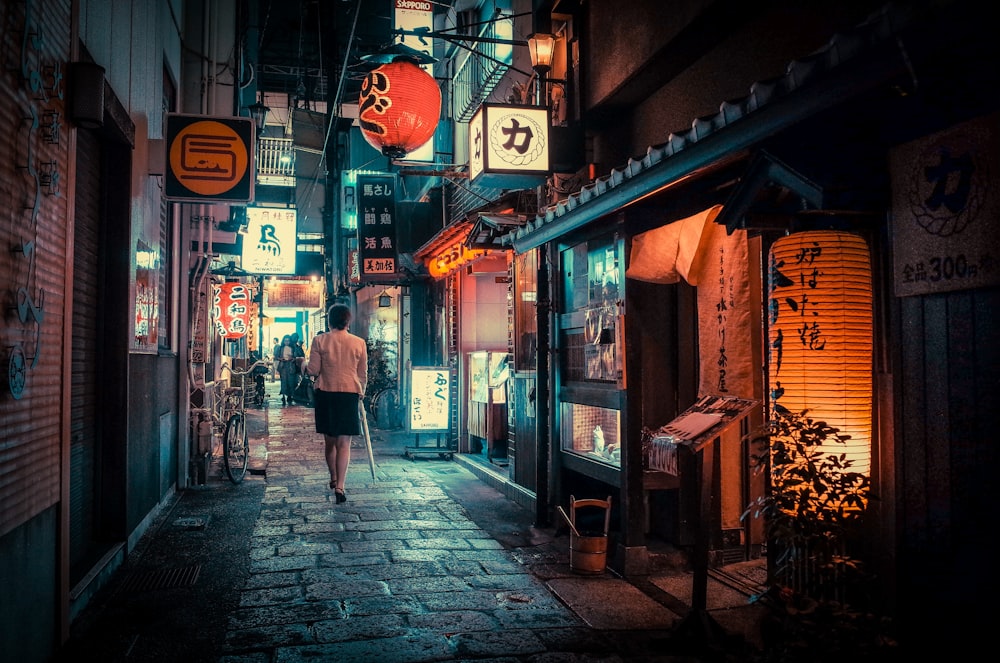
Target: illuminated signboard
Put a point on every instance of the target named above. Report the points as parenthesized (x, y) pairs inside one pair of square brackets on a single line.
[(269, 245), (509, 146), (430, 399), (376, 195), (451, 258), (209, 158)]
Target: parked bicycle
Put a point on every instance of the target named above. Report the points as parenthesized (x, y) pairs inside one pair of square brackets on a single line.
[(233, 407)]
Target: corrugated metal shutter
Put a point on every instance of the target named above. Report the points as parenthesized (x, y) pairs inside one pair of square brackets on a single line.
[(33, 233), (86, 351)]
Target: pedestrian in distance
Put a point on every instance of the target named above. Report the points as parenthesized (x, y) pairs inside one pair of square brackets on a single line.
[(275, 358), (288, 370), (339, 361)]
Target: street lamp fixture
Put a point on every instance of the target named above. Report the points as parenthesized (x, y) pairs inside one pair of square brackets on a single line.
[(541, 47), (258, 112)]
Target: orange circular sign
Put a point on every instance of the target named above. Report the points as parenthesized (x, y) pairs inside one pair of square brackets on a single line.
[(208, 158)]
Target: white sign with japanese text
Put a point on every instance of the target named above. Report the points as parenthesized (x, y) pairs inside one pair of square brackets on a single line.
[(430, 398), (269, 245)]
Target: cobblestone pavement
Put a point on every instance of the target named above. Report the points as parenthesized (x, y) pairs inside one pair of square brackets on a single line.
[(424, 562)]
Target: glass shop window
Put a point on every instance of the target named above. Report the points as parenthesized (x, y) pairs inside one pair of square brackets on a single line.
[(592, 300), (525, 313), (592, 432)]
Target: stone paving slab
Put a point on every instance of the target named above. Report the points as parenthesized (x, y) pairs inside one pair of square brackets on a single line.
[(612, 604)]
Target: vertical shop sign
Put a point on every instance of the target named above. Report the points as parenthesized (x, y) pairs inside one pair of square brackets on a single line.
[(377, 227), (147, 313), (724, 321), (199, 317), (415, 15), (430, 398)]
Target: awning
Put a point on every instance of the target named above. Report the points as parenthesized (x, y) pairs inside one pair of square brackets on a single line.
[(488, 229), (851, 63)]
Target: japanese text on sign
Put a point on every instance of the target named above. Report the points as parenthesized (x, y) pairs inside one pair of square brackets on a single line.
[(430, 399), (376, 225)]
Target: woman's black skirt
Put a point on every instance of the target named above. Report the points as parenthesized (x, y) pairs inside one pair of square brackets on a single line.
[(337, 413)]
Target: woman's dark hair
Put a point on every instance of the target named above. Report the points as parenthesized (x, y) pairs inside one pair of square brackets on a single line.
[(338, 316)]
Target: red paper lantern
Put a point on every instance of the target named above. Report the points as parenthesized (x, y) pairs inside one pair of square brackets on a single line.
[(399, 108), (232, 309)]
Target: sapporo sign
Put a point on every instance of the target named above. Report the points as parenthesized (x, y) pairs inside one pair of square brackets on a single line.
[(209, 158)]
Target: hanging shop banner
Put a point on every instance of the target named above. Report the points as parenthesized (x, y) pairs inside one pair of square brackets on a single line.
[(945, 217), (232, 309), (209, 159), (430, 399), (724, 322), (509, 146), (377, 228), (201, 310), (269, 245)]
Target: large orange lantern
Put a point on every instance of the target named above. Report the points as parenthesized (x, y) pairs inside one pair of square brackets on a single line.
[(232, 309), (399, 108), (820, 334)]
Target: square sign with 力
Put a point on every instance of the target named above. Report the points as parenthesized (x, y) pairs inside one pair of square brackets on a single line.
[(377, 251), (209, 159)]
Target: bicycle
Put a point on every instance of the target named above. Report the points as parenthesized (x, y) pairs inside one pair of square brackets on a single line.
[(385, 408), (235, 441)]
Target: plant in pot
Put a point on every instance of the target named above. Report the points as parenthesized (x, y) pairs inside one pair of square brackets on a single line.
[(812, 513)]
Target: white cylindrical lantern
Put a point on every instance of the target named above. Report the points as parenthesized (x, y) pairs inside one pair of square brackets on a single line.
[(820, 334)]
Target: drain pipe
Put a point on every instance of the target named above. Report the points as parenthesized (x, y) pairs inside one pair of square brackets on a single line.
[(542, 425)]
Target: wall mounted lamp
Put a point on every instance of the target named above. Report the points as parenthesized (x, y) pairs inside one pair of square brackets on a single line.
[(258, 112), (541, 46)]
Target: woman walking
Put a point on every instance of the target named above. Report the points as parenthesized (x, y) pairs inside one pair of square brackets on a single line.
[(339, 360), (288, 370)]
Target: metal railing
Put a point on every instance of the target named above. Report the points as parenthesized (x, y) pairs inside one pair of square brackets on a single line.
[(275, 161), (478, 75)]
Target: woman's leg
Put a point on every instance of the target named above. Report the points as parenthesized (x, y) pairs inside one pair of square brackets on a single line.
[(343, 459), (330, 444), (338, 456)]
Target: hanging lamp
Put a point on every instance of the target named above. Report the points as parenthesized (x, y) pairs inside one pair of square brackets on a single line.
[(820, 335), (400, 103)]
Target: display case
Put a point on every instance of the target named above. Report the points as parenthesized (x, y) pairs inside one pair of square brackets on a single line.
[(591, 344), (592, 432)]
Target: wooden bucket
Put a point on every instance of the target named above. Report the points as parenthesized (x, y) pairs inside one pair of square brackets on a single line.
[(588, 553)]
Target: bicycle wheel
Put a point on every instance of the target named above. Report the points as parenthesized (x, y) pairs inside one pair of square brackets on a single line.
[(236, 448), (385, 408)]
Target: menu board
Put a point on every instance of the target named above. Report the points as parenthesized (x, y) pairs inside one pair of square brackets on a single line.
[(700, 423), (430, 399)]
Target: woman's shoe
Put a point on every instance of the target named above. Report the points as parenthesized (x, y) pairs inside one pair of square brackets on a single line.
[(341, 495)]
